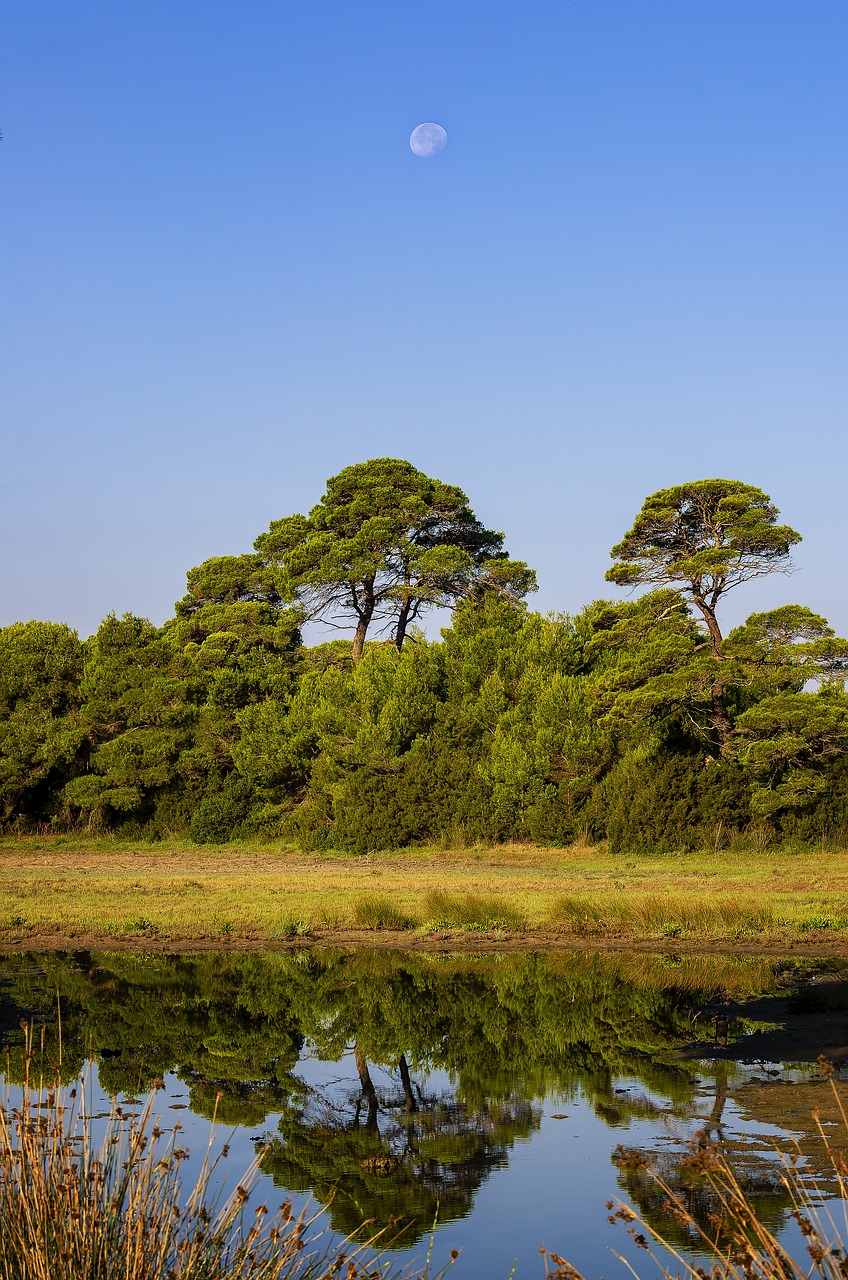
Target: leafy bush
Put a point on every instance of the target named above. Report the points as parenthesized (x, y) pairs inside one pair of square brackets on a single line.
[(220, 818)]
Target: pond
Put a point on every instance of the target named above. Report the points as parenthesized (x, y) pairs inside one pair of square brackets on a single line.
[(489, 1093)]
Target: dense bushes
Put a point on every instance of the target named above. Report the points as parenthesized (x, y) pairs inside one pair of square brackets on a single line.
[(512, 727)]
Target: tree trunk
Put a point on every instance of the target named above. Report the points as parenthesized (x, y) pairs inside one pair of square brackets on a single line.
[(402, 624), (359, 639), (369, 1093), (406, 1081), (365, 612), (719, 718)]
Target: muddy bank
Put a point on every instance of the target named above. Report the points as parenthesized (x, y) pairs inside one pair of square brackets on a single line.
[(812, 1023), (460, 942)]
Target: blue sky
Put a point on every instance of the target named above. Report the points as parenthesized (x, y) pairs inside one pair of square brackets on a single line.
[(224, 276)]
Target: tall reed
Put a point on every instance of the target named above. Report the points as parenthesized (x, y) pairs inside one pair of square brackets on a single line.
[(73, 1207), (735, 1243)]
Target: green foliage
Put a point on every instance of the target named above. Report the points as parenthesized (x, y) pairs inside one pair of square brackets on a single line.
[(781, 742), (139, 706), (41, 738), (220, 817), (659, 802), (638, 723), (709, 536), (384, 544)]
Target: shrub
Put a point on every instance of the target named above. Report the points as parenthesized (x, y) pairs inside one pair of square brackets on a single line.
[(219, 817)]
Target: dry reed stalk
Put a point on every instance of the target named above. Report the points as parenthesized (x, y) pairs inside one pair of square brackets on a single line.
[(738, 1245), (75, 1209)]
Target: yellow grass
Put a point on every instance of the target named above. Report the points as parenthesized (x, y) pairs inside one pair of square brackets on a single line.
[(110, 890)]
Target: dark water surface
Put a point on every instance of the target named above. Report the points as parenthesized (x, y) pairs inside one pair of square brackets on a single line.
[(490, 1090)]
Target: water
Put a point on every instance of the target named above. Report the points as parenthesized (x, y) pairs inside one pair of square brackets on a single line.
[(488, 1092)]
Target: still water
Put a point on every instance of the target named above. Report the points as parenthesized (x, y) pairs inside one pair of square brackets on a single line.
[(490, 1093)]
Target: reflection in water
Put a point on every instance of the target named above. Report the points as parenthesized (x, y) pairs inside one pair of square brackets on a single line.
[(443, 1063)]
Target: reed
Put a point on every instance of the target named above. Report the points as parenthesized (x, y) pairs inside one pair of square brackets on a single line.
[(735, 1243), (73, 1207)]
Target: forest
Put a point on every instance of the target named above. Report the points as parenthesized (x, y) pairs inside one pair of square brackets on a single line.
[(636, 721)]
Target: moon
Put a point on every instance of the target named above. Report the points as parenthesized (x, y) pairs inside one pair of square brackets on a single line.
[(428, 139)]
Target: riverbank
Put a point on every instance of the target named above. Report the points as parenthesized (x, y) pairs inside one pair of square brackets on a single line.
[(64, 893)]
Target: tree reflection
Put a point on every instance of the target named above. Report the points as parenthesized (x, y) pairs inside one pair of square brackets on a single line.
[(443, 1060), (396, 1154)]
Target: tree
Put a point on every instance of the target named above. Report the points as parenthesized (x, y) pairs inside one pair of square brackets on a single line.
[(783, 742), (385, 543), (139, 709), (40, 736), (705, 538), (241, 641)]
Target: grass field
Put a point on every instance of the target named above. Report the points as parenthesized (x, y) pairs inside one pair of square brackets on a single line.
[(110, 890)]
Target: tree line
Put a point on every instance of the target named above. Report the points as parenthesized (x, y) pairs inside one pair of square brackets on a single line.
[(638, 722)]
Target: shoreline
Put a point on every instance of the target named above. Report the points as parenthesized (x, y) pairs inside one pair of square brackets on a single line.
[(448, 943)]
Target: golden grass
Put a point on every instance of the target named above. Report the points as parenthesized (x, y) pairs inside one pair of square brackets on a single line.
[(669, 915), (110, 890), (73, 1208)]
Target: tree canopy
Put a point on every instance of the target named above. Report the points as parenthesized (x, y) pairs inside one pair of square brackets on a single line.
[(708, 536), (385, 543), (637, 723), (705, 538)]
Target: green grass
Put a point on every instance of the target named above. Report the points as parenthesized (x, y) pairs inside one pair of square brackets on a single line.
[(376, 911), (470, 911), (130, 894)]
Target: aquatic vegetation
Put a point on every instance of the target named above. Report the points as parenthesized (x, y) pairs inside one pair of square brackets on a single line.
[(74, 1207), (726, 1234)]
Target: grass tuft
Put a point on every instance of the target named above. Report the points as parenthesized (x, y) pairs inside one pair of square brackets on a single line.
[(472, 911), (376, 911), (292, 927), (663, 915)]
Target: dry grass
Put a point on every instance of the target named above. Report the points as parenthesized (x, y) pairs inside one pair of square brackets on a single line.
[(667, 915), (737, 1243), (72, 1208), (110, 891)]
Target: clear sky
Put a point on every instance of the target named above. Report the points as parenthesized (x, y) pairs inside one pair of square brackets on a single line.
[(224, 276)]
